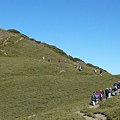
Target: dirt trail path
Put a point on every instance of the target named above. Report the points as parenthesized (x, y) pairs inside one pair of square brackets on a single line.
[(6, 42), (19, 40), (95, 106), (97, 116)]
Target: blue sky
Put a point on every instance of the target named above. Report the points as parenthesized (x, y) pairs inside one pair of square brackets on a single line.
[(86, 29)]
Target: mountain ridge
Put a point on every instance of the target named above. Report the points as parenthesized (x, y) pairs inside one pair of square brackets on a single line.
[(48, 90), (9, 47)]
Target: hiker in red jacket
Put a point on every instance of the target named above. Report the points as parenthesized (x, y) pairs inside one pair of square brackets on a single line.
[(59, 61), (100, 94)]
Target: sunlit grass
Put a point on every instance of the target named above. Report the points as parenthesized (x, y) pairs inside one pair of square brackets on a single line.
[(31, 86), (37, 90)]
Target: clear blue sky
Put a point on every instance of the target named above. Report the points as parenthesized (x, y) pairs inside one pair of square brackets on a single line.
[(86, 29)]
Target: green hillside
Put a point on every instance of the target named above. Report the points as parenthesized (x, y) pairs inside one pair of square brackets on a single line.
[(31, 88)]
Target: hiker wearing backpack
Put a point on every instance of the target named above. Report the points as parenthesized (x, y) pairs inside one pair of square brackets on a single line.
[(95, 71), (118, 84), (107, 93), (110, 91), (100, 93), (115, 84), (80, 68), (115, 91), (93, 98), (100, 72), (59, 61)]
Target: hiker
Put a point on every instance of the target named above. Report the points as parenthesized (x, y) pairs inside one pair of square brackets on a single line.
[(115, 91), (95, 71), (115, 84), (118, 84), (94, 98), (48, 60), (100, 95), (106, 92), (43, 58), (80, 69), (59, 61), (64, 61), (100, 72), (97, 98), (110, 91)]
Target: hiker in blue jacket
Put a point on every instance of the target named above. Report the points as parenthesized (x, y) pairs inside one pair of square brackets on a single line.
[(95, 98), (115, 91)]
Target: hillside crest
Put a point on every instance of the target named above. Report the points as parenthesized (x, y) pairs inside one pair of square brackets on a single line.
[(15, 44)]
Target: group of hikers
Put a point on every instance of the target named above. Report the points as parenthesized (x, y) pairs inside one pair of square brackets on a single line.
[(95, 71), (101, 95), (59, 61), (80, 68)]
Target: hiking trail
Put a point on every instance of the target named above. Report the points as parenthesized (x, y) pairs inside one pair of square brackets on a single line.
[(97, 116), (6, 42)]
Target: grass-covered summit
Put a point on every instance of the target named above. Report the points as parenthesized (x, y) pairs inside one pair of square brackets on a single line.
[(31, 88)]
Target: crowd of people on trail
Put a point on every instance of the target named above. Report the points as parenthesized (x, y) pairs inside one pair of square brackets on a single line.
[(102, 95), (80, 68), (59, 61)]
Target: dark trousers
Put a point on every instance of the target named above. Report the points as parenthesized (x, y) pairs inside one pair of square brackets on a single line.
[(106, 95)]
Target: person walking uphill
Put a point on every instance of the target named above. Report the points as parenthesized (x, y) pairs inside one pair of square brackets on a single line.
[(110, 91), (107, 93), (100, 72), (59, 61), (93, 98), (80, 68), (43, 58), (100, 94), (95, 71)]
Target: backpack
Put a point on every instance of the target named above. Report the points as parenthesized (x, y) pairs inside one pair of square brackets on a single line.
[(96, 95), (93, 98)]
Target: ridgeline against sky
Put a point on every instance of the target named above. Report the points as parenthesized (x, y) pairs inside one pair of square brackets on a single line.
[(86, 29)]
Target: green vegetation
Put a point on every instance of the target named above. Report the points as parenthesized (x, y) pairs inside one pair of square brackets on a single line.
[(109, 108), (14, 31), (96, 67), (31, 88)]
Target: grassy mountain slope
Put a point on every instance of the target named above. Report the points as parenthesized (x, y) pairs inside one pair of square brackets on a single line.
[(33, 89)]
